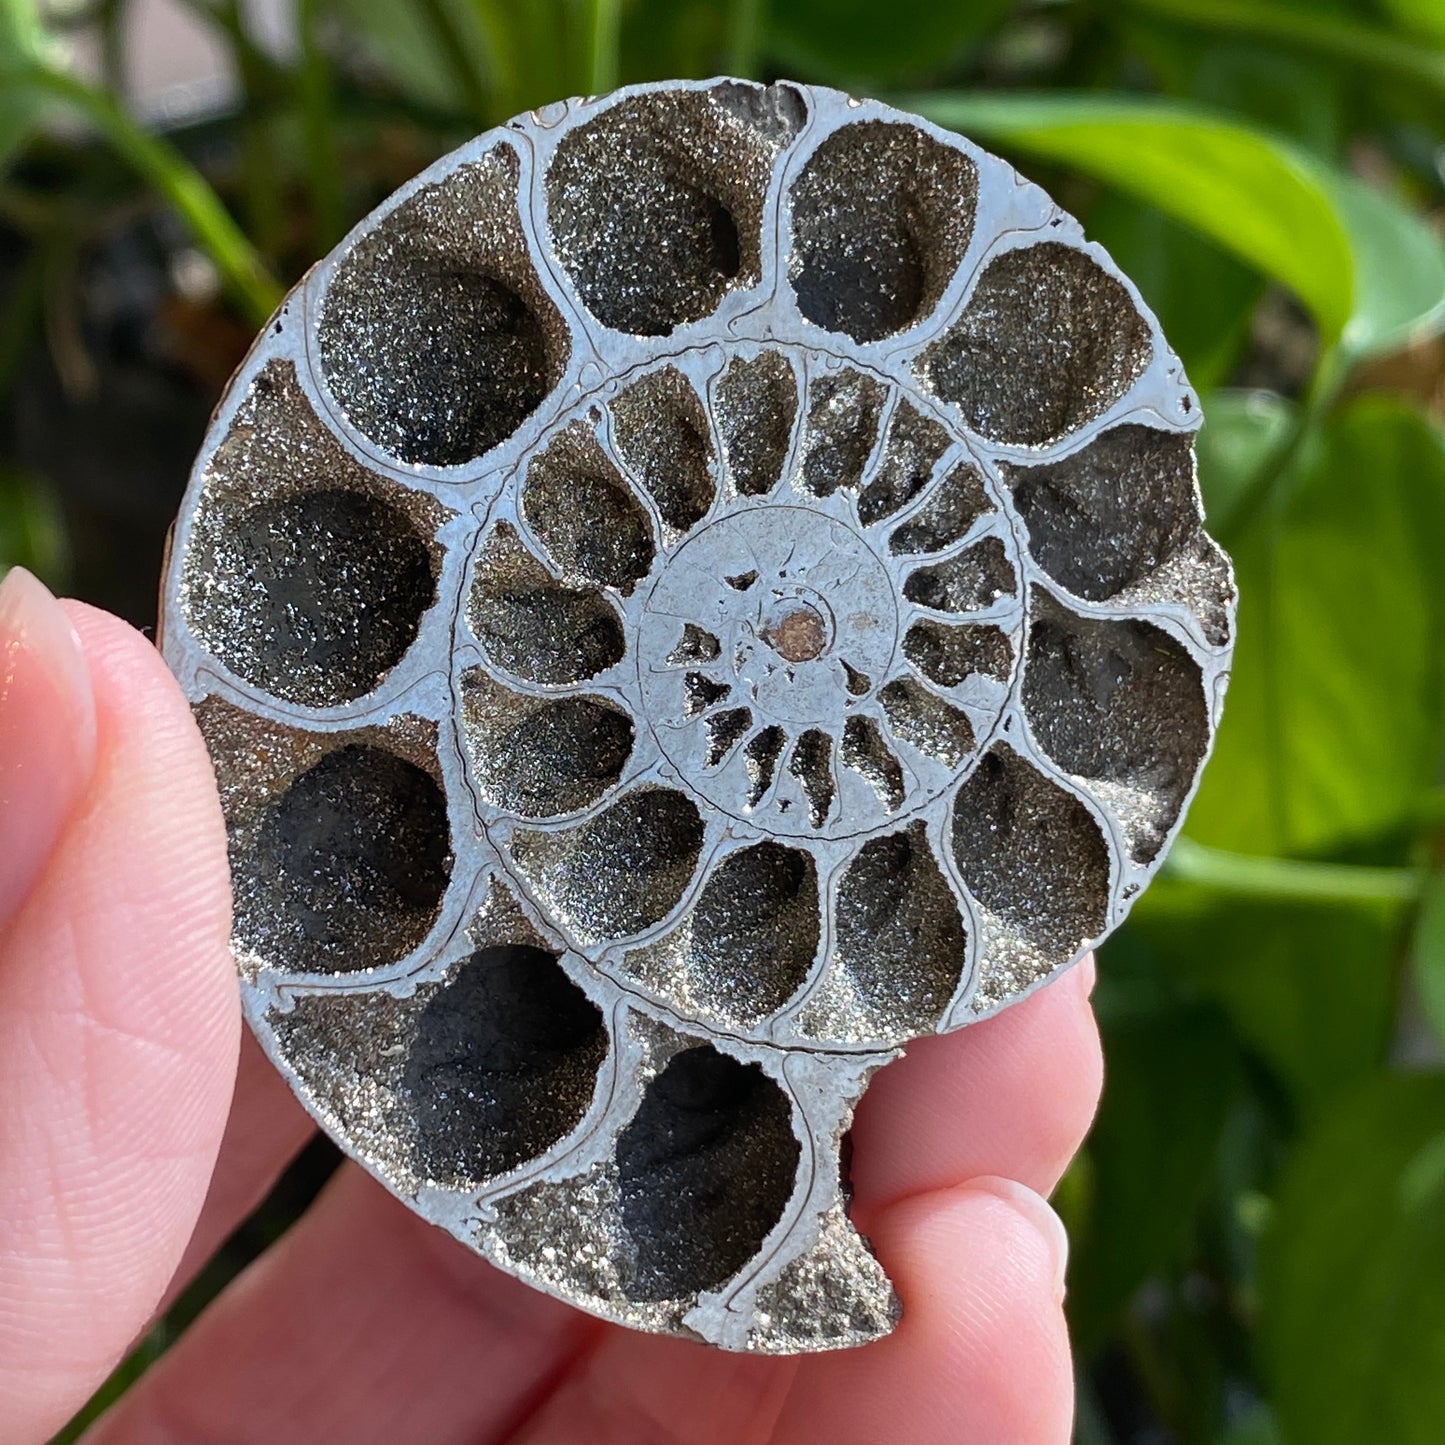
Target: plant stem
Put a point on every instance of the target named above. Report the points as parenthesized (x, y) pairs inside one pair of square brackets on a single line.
[(743, 32), (1338, 38), (452, 44), (604, 57), (110, 17), (163, 167), (318, 126), (1288, 880), (260, 164)]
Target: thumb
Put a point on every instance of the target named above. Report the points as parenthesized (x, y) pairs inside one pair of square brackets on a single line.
[(119, 1023)]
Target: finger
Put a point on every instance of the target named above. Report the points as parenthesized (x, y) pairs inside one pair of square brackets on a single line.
[(118, 1035), (409, 1337), (981, 1354), (266, 1129), (636, 1389), (1012, 1096), (47, 732)]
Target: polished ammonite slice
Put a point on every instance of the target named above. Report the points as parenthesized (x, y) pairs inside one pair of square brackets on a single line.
[(704, 585)]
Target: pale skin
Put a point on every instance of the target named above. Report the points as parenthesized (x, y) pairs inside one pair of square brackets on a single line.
[(139, 1128)]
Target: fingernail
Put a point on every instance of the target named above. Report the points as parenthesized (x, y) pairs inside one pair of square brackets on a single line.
[(1040, 1214), (47, 732)]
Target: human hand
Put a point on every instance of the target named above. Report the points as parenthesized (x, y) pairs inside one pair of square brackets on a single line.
[(120, 1171)]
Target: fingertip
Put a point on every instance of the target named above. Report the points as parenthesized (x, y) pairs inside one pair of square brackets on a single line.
[(1011, 1096), (1040, 1216), (981, 1352)]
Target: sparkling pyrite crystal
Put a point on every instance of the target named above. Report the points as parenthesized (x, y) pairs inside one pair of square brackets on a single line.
[(702, 586)]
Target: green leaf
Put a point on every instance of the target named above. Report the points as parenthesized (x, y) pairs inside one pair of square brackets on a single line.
[(404, 43), (1399, 268), (1336, 713), (1242, 430), (855, 40), (1309, 987), (1340, 37), (1428, 955), (32, 529), (1171, 1077), (163, 167), (23, 42), (1252, 195), (1425, 17), (1352, 1310), (24, 45), (688, 39), (1269, 85)]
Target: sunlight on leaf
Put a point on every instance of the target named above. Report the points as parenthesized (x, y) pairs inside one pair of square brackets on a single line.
[(1336, 711), (1340, 36), (1399, 269)]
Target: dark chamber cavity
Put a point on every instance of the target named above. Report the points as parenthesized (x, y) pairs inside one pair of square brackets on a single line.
[(969, 582), (534, 626), (334, 585), (541, 757), (706, 1168), (900, 939), (306, 574), (700, 693), (502, 1064), (349, 864), (1111, 513), (655, 205), (662, 435), (844, 413), (865, 751), (747, 945), (725, 730), (435, 335), (957, 502), (912, 448), (1119, 703), (882, 215), (1048, 342), (760, 757), (756, 406), (757, 919), (1033, 857), (948, 653), (917, 717), (585, 514), (620, 872), (811, 764)]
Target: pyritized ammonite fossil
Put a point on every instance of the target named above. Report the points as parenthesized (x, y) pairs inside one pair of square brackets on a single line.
[(703, 586)]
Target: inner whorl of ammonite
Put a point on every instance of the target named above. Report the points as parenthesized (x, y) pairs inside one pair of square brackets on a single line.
[(705, 585)]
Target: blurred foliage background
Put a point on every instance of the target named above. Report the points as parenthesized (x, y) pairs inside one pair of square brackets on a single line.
[(1259, 1217)]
